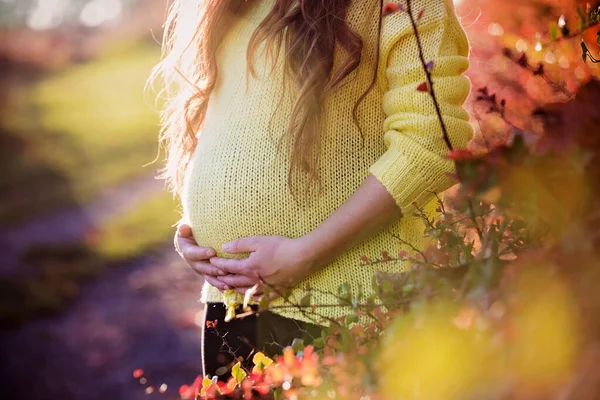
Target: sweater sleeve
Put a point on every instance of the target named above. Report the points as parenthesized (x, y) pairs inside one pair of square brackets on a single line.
[(414, 166)]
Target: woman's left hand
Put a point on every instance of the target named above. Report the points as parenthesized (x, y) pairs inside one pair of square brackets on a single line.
[(276, 261)]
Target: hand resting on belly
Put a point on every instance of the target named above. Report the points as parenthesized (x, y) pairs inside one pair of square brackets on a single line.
[(277, 261)]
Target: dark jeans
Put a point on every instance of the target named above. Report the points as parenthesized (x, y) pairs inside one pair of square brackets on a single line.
[(266, 332)]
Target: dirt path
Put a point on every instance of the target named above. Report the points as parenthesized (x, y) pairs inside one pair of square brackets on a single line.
[(72, 223), (135, 316)]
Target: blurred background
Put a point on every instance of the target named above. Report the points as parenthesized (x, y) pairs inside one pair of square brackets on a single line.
[(90, 287)]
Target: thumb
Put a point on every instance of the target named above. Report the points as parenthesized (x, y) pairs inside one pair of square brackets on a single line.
[(184, 230)]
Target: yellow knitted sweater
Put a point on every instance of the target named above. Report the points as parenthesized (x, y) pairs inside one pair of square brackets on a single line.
[(236, 183)]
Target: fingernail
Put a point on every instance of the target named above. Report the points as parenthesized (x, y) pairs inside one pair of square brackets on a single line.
[(209, 253), (226, 246)]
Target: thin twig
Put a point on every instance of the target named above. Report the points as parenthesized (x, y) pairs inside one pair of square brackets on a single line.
[(428, 74), (299, 307), (438, 111)]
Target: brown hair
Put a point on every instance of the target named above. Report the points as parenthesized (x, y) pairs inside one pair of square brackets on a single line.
[(309, 29)]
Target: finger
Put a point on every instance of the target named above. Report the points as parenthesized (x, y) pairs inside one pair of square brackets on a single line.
[(191, 251), (183, 244), (197, 253), (205, 268), (242, 245), (216, 283), (232, 265), (184, 230), (238, 281), (243, 290)]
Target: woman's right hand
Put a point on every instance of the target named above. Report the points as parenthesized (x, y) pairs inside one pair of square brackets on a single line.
[(197, 257)]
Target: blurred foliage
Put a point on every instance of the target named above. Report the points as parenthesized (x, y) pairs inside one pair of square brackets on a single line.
[(139, 231), (89, 126), (547, 33)]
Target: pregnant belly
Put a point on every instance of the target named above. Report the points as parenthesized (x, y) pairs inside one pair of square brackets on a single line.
[(241, 192)]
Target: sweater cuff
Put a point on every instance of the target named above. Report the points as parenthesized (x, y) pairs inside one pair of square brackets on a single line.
[(409, 181)]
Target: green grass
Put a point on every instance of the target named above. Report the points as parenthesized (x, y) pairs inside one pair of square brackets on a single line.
[(141, 229), (88, 126)]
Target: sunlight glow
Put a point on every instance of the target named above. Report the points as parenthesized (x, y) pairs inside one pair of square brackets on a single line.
[(564, 62), (495, 29), (521, 45), (47, 14), (550, 58), (99, 12)]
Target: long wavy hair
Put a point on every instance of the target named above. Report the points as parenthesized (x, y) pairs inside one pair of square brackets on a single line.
[(307, 30)]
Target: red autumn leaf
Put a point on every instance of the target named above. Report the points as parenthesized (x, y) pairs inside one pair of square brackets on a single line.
[(227, 388), (211, 324), (385, 256), (459, 155), (184, 392), (246, 385), (389, 8), (262, 388), (365, 260), (423, 87), (138, 373), (420, 15), (256, 377)]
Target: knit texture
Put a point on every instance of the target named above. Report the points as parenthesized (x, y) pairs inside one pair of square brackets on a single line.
[(236, 184)]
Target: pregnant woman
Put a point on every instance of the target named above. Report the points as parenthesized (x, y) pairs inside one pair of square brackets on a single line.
[(299, 137)]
